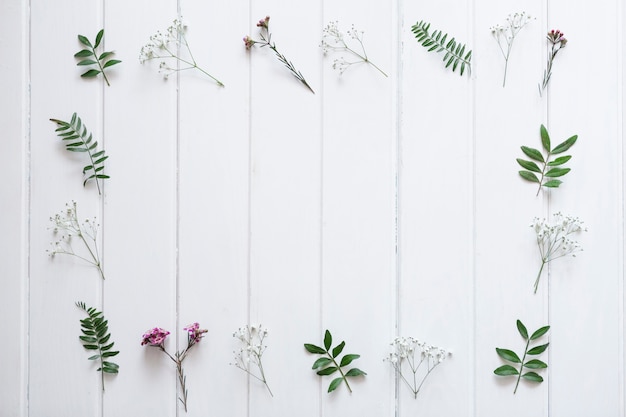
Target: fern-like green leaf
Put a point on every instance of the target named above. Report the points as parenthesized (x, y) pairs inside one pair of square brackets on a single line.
[(102, 61), (455, 55), (330, 362), (510, 356), (78, 139), (546, 171), (96, 329)]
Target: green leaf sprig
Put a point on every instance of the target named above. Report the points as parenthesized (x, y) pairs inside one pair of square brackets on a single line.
[(89, 56), (550, 169), (454, 52), (96, 337), (78, 139), (328, 365), (509, 355)]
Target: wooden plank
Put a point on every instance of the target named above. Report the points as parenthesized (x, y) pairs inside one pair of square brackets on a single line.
[(506, 256), (436, 211), (214, 152), (285, 204), (13, 194), (358, 209), (69, 383), (141, 212), (593, 191)]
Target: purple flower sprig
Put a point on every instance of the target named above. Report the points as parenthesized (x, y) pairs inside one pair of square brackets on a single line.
[(156, 337), (556, 42), (266, 40)]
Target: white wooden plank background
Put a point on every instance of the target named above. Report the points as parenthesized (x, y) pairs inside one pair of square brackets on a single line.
[(376, 207)]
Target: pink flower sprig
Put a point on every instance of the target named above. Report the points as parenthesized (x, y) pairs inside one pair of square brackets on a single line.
[(156, 337), (556, 42), (266, 40)]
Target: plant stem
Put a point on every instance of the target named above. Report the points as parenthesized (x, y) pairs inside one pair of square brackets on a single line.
[(343, 376), (521, 369), (543, 262), (181, 380), (290, 67), (364, 56), (93, 50), (263, 378)]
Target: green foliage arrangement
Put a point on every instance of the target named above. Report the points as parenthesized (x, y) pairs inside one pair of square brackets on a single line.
[(509, 355), (78, 139), (89, 56), (550, 169), (96, 337), (455, 54), (328, 365)]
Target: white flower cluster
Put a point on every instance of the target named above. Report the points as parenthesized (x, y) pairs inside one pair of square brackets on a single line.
[(514, 23), (169, 45), (164, 45), (406, 347), (414, 353), (333, 40), (505, 35), (249, 355), (68, 225), (553, 239)]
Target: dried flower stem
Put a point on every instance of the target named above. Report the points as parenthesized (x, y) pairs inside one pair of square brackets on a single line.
[(506, 34), (156, 338), (553, 240), (167, 46), (266, 40), (86, 232), (405, 349), (557, 42), (252, 337), (334, 40)]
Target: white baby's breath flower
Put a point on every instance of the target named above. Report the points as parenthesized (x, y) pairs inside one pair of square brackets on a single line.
[(554, 240), (333, 40), (169, 45), (87, 233), (403, 355), (252, 337), (505, 35)]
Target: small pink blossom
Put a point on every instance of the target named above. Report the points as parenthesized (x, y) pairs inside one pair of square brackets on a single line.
[(195, 333), (249, 42), (154, 337), (556, 36), (264, 23)]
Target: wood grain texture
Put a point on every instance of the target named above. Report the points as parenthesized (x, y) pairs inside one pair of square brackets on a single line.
[(376, 207)]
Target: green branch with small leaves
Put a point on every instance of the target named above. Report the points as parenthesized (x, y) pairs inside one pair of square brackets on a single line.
[(328, 365), (89, 56), (509, 355), (550, 169), (78, 139), (455, 54), (96, 337)]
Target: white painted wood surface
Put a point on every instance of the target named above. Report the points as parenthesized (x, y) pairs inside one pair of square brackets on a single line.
[(376, 207)]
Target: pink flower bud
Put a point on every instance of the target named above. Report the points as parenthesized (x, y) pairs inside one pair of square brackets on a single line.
[(154, 337), (264, 23), (248, 41)]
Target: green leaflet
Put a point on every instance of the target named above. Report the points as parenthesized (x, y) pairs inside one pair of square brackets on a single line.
[(510, 356), (327, 365), (547, 169), (78, 139), (96, 336), (455, 54), (89, 56)]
